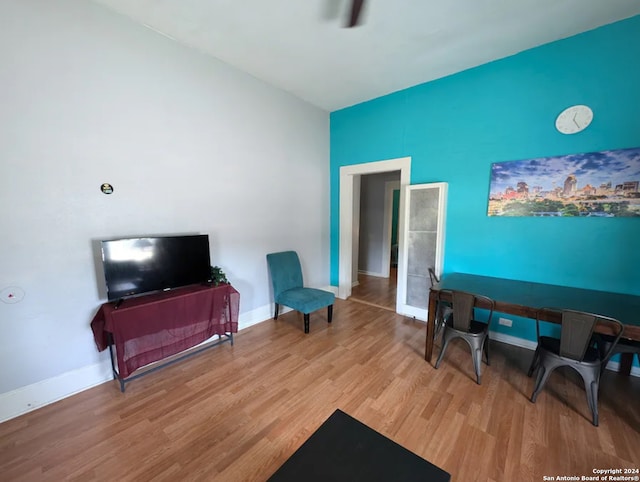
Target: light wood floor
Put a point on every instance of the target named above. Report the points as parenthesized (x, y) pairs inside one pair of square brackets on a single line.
[(237, 413), (376, 291)]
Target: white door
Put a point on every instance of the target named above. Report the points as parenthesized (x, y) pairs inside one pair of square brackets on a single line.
[(423, 240)]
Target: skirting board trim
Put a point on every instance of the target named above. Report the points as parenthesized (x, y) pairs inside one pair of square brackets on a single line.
[(512, 340), (31, 397), (375, 274)]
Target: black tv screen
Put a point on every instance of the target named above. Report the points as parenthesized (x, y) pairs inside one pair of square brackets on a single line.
[(135, 266)]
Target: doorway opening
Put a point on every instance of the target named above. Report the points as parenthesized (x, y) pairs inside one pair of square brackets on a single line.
[(376, 258), (350, 189)]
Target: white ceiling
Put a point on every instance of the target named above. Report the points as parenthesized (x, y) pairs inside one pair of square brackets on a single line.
[(301, 46)]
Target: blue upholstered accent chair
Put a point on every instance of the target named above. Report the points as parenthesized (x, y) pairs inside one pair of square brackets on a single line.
[(288, 288)]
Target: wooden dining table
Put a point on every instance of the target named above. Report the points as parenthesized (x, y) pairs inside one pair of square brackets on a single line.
[(524, 298)]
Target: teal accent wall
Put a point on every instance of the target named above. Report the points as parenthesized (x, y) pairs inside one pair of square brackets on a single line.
[(454, 129), (394, 216)]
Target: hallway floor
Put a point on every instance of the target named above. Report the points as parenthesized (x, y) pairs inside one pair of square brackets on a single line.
[(376, 291)]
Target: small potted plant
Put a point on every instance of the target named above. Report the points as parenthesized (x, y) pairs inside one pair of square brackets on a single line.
[(217, 276)]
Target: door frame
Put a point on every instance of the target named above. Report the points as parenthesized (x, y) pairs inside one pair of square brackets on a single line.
[(348, 176)]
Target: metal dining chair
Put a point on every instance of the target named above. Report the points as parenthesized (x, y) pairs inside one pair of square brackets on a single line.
[(461, 324), (576, 348)]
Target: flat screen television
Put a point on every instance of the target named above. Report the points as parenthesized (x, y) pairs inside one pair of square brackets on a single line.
[(136, 266)]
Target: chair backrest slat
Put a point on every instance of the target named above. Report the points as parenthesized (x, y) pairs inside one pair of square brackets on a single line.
[(461, 304), (576, 332), (462, 310)]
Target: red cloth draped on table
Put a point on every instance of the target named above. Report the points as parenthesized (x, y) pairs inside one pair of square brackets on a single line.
[(153, 327)]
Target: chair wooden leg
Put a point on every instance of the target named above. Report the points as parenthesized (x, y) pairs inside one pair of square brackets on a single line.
[(330, 313), (275, 315), (306, 322)]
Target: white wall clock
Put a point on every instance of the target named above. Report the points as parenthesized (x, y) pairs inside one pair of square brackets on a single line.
[(574, 119)]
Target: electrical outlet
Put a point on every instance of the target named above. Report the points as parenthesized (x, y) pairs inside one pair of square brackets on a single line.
[(505, 322)]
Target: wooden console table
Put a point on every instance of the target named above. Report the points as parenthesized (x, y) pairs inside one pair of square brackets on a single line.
[(155, 327)]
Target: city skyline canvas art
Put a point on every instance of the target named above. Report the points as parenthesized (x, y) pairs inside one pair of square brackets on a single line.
[(593, 184)]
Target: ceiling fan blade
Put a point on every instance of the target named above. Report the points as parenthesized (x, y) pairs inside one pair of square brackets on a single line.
[(356, 8)]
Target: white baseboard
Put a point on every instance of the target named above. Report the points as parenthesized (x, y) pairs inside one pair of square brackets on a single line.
[(413, 312), (615, 366), (513, 340), (258, 315), (371, 273), (333, 289), (30, 397)]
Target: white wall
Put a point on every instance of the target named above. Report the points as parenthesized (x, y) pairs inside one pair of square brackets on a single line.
[(189, 144)]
